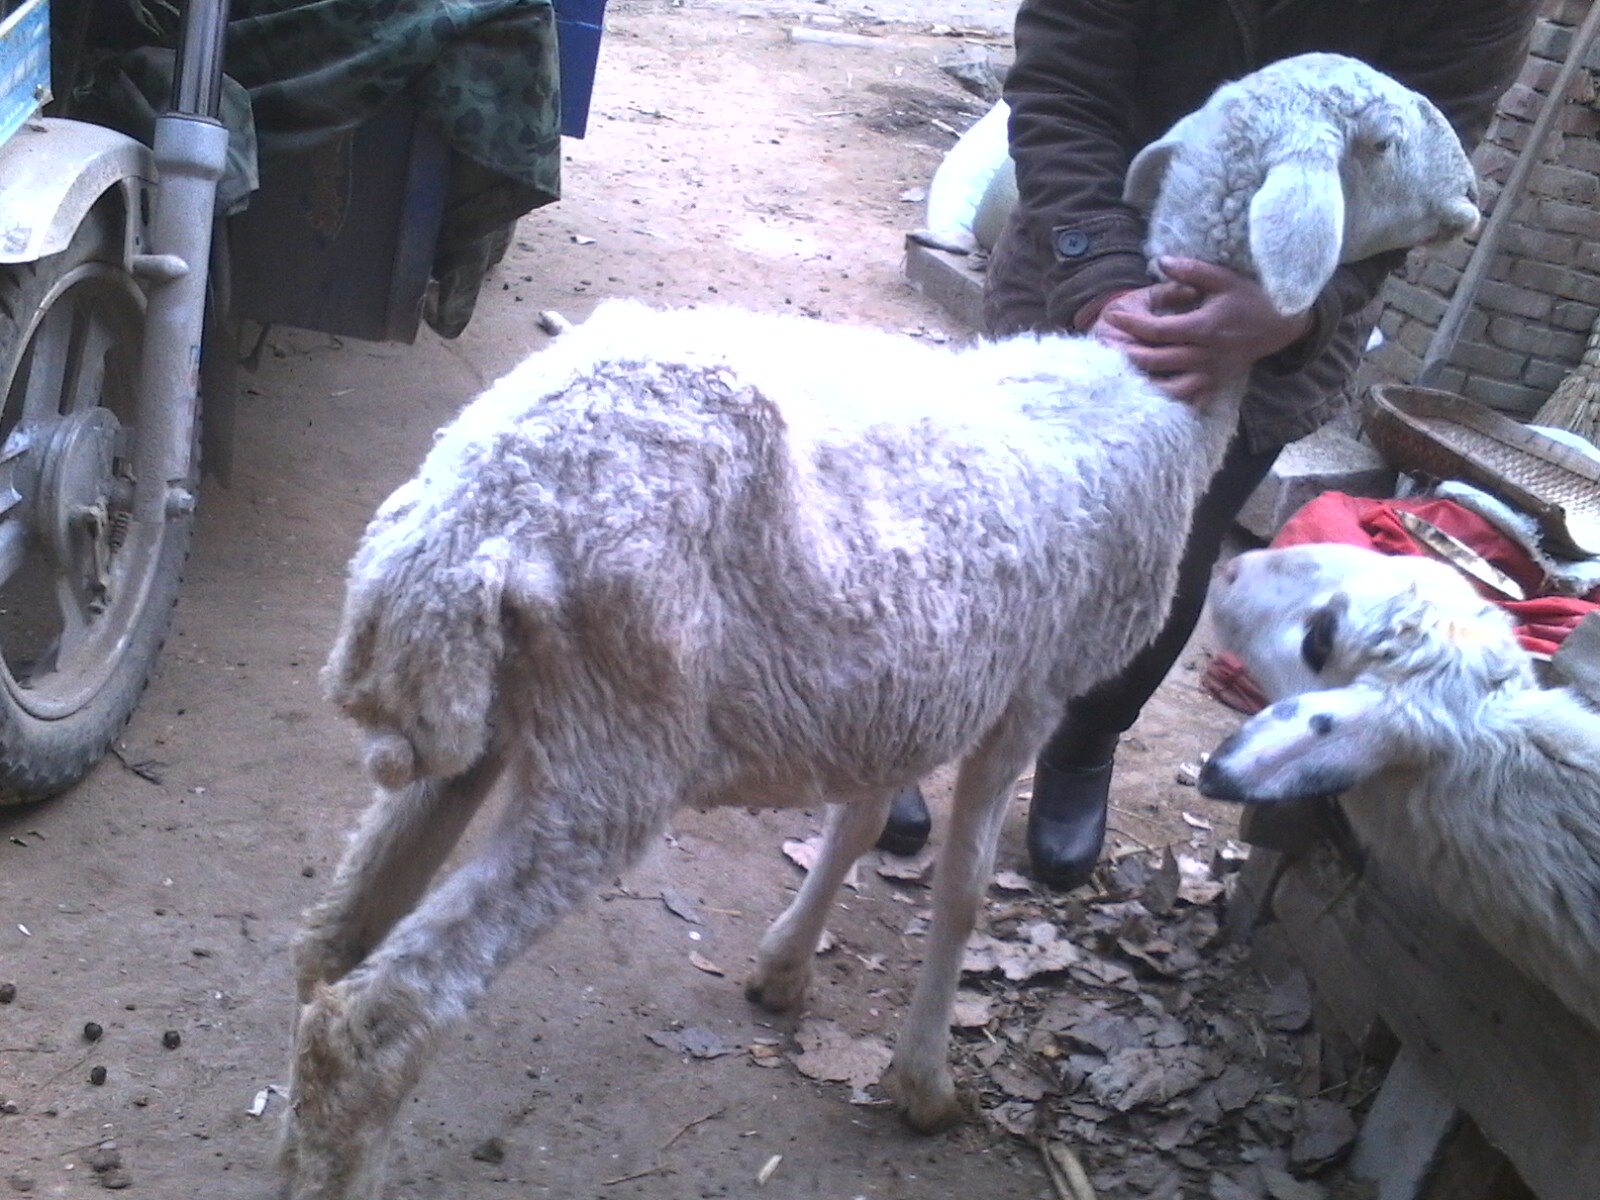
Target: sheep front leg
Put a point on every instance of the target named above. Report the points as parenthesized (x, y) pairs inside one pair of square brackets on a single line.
[(918, 1078), (787, 951)]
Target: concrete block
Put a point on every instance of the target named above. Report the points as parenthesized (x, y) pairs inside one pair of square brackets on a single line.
[(1330, 460), (951, 281)]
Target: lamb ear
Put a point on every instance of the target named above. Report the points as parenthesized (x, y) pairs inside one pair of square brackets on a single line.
[(1318, 744), (1296, 232), (1149, 166)]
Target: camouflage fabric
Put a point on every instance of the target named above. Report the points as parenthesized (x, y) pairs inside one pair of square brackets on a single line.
[(483, 73)]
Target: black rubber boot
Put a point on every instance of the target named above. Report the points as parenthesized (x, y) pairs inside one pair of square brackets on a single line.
[(909, 824), (1067, 822)]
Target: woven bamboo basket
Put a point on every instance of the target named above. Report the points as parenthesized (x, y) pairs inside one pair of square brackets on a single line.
[(1447, 436), (1575, 404)]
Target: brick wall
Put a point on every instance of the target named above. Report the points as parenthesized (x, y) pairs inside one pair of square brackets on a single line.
[(1541, 296)]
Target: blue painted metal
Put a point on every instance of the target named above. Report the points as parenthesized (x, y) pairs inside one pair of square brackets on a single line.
[(24, 64), (579, 24)]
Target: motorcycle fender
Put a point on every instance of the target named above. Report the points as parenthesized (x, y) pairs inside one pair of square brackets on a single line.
[(51, 173)]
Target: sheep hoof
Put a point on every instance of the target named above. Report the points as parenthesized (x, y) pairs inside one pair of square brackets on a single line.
[(778, 990), (927, 1106)]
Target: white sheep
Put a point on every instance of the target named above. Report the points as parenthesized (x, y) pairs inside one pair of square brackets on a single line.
[(1398, 686), (706, 557)]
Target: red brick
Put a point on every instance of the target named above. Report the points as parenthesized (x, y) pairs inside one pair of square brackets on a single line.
[(1577, 219), (1489, 360), (1414, 301), (1579, 317), (1499, 297), (1564, 183), (1576, 119), (1496, 393), (1544, 375), (1521, 101), (1540, 244), (1509, 333)]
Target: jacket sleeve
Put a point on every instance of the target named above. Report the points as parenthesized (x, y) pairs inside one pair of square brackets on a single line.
[(1071, 93)]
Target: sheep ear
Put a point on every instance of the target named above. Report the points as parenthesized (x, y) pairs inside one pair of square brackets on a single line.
[(1318, 744), (1149, 166), (1296, 231)]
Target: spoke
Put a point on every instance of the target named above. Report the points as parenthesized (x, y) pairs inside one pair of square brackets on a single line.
[(50, 356), (75, 627), (84, 381), (13, 547)]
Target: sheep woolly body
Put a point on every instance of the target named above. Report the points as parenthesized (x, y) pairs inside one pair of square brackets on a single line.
[(710, 557), (1460, 769), (836, 591)]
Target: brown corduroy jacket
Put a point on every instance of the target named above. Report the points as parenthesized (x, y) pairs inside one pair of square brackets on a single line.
[(1095, 80)]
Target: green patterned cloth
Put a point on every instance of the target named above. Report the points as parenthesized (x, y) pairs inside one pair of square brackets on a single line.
[(483, 73)]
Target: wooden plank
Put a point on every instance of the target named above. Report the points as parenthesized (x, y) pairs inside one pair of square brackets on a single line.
[(1405, 1131), (1498, 1044), (949, 280)]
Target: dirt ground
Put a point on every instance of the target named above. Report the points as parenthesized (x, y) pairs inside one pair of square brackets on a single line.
[(724, 162)]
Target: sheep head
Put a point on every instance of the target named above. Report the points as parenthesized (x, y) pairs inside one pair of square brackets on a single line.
[(1310, 162), (1370, 659)]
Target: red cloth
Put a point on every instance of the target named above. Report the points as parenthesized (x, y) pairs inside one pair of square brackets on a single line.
[(1542, 621)]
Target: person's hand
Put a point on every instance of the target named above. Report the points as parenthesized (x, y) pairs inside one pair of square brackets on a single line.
[(1199, 330)]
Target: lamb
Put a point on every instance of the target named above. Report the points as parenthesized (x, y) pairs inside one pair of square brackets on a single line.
[(709, 557), (1398, 686)]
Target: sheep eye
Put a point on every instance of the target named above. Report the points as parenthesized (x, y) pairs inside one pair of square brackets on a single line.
[(1317, 645), (1382, 145)]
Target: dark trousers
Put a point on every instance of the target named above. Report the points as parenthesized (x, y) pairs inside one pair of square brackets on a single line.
[(1088, 734)]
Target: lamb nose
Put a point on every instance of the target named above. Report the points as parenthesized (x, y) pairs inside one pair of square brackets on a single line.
[(1229, 571)]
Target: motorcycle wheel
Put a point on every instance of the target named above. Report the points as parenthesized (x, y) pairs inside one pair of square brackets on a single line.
[(86, 591)]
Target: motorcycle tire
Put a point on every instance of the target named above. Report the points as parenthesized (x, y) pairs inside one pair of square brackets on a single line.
[(86, 591)]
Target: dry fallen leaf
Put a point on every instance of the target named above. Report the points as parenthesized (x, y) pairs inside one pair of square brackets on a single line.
[(1288, 1008), (1137, 1076), (680, 905), (1324, 1132), (803, 853), (1044, 950), (1283, 1186), (705, 964), (907, 870), (695, 1042), (829, 1053), (973, 1010)]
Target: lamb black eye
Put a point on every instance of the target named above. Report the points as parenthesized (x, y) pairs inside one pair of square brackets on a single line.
[(1317, 645)]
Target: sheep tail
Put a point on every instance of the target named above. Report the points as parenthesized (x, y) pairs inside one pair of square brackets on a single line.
[(417, 653)]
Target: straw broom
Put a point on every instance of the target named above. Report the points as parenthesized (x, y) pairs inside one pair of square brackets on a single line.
[(1575, 404)]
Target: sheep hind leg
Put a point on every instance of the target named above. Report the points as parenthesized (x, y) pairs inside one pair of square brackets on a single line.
[(399, 845), (919, 1078), (402, 839), (364, 1040), (788, 949)]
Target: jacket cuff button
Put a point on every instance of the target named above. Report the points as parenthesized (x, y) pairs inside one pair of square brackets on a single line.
[(1071, 243)]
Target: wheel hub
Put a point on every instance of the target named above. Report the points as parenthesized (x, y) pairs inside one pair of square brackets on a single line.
[(73, 515)]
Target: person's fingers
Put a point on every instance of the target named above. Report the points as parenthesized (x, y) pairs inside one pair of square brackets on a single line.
[(1198, 274)]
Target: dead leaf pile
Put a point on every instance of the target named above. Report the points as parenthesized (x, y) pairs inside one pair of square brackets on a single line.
[(1126, 1028)]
